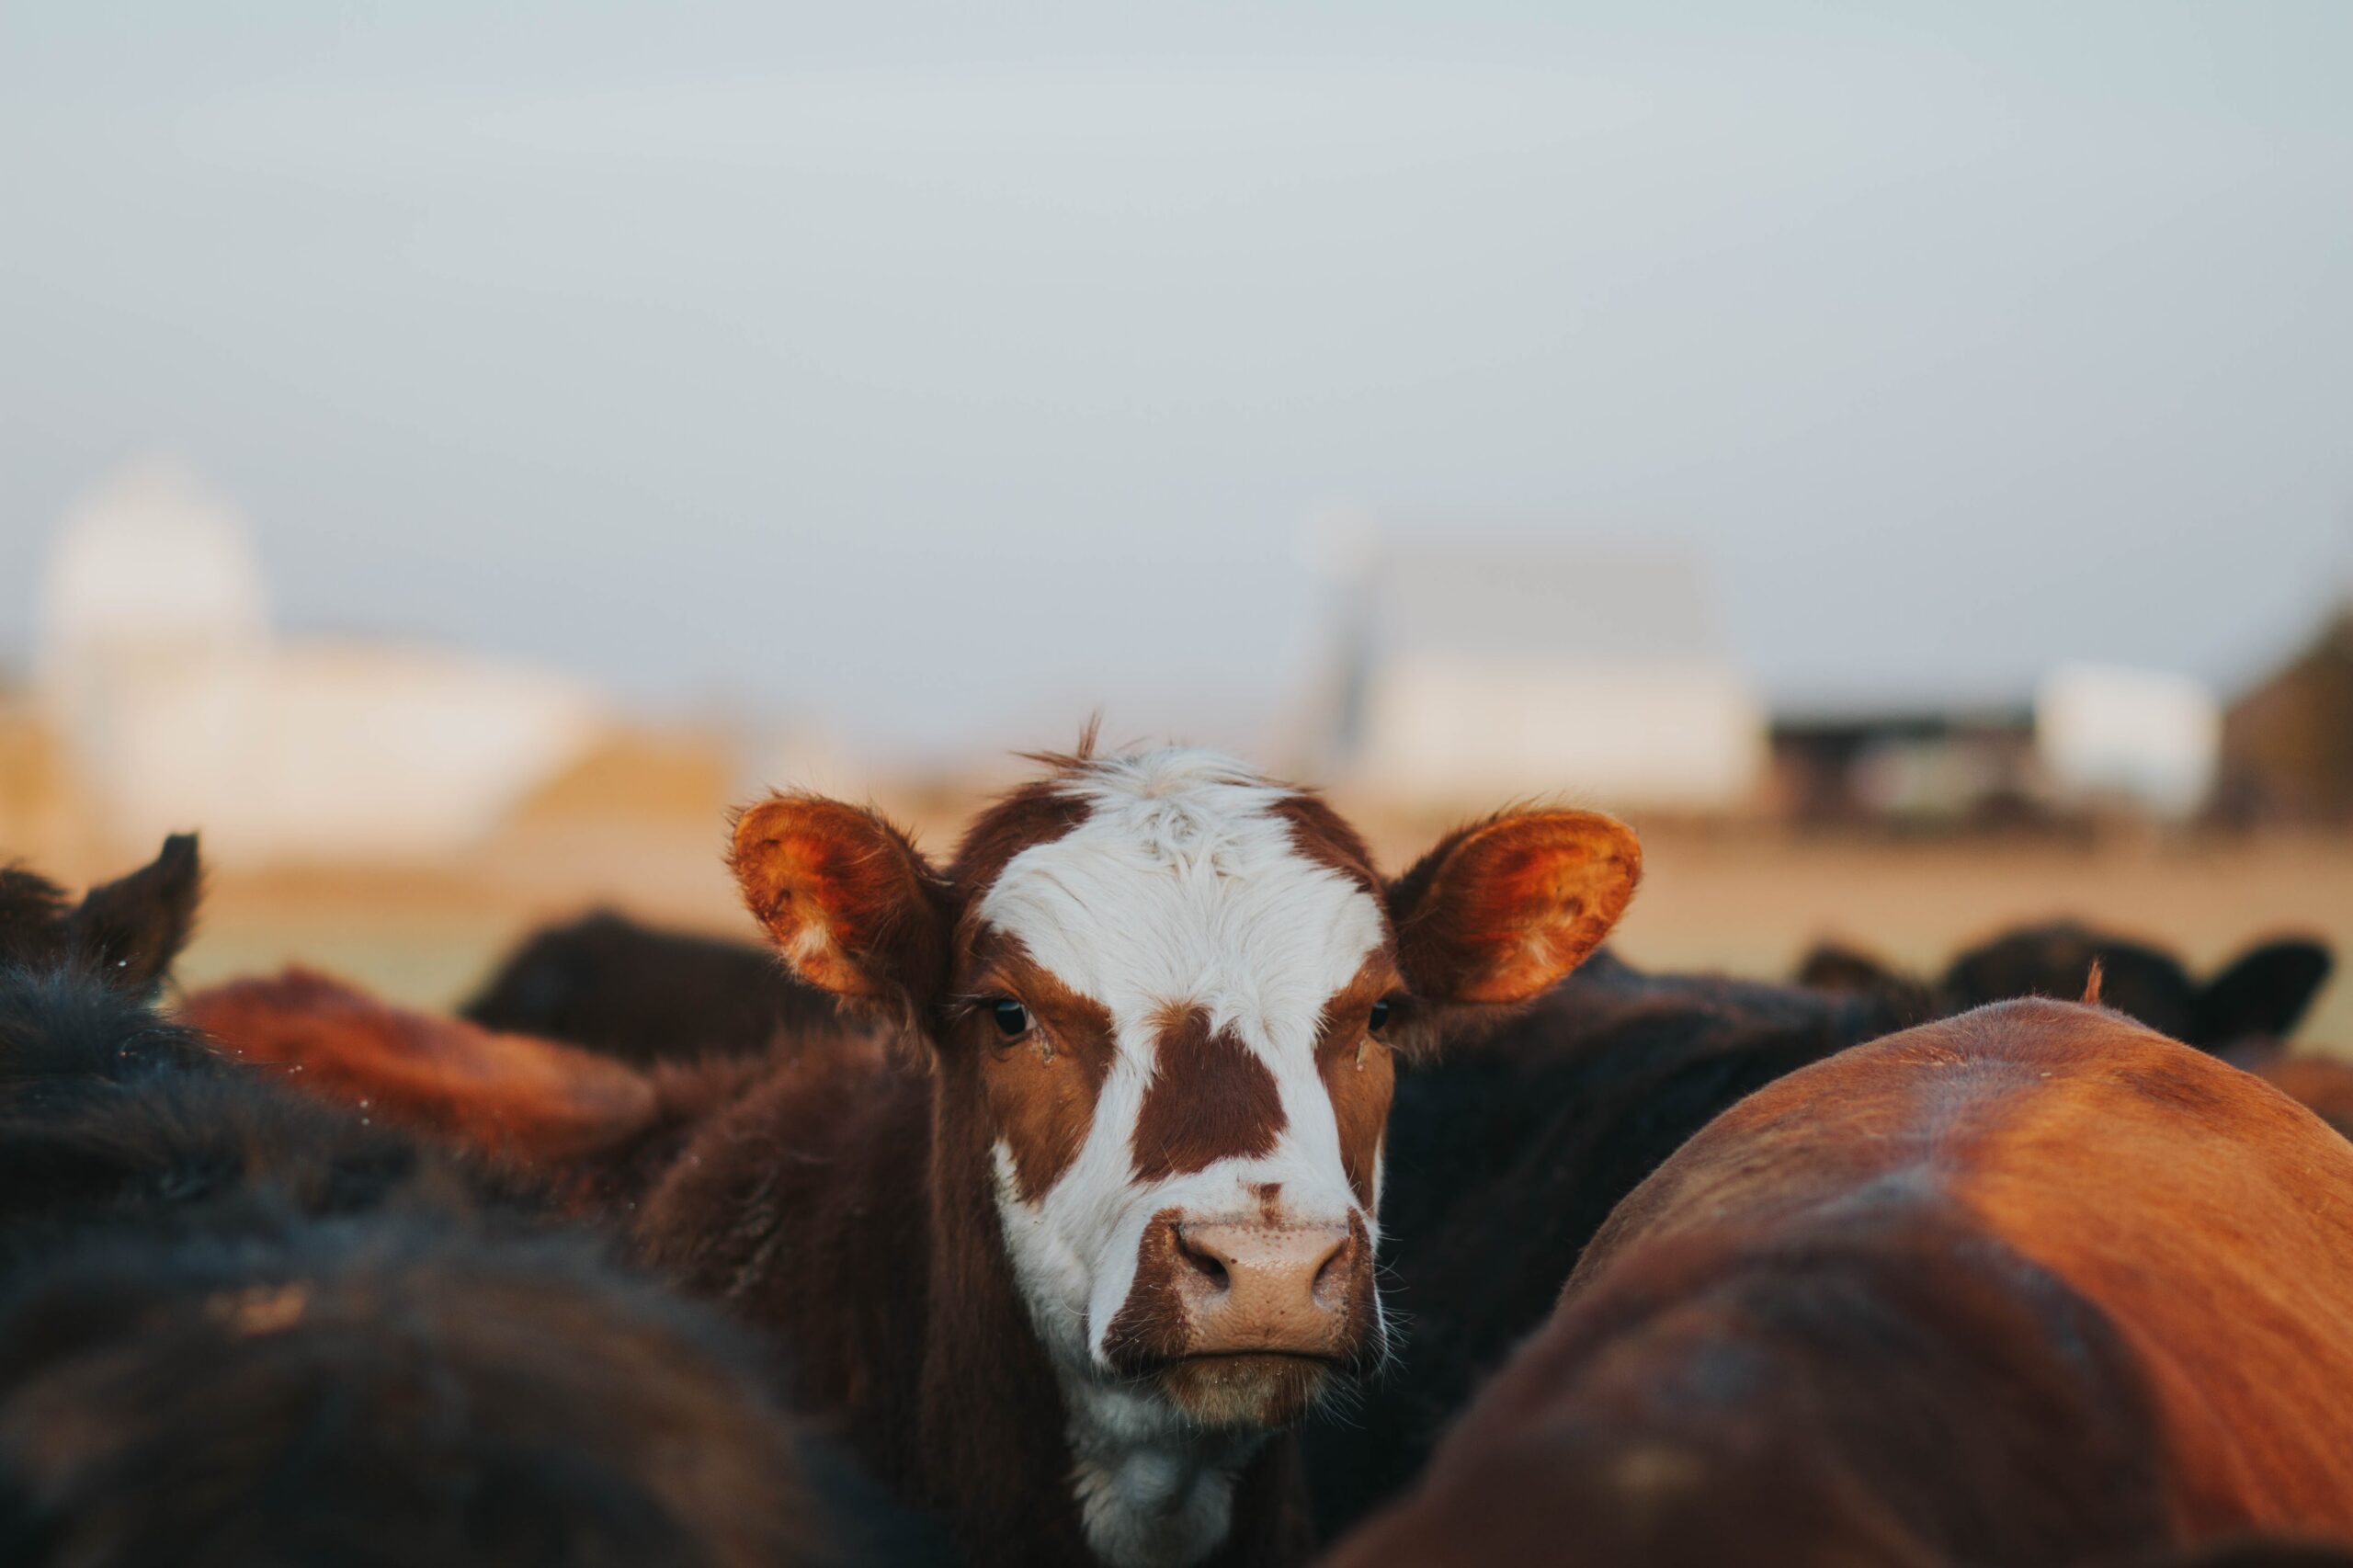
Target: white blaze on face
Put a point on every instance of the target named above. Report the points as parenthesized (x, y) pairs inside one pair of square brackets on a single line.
[(1182, 888)]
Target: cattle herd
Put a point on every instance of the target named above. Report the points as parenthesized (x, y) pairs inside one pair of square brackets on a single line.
[(1155, 1182)]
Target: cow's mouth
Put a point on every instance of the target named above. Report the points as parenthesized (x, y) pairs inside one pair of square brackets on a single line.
[(1247, 1388)]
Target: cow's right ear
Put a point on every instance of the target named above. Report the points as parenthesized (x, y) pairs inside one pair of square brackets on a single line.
[(851, 905)]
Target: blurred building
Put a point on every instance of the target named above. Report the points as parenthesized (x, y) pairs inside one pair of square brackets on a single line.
[(1933, 768), (2288, 744), (2146, 740), (1476, 667), (173, 705)]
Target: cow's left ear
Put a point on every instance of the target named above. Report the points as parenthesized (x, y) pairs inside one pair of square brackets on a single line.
[(1499, 911), (851, 905), (2264, 993), (131, 929)]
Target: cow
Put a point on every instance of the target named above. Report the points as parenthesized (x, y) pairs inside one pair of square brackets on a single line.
[(616, 985), (114, 1118), (241, 1324), (2252, 1003), (392, 1392), (130, 930), (1066, 1255), (2033, 1285), (1507, 1152)]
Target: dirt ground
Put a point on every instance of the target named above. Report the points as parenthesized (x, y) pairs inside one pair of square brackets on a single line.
[(1747, 902)]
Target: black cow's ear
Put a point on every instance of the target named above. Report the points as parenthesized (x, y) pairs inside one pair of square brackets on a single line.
[(2263, 992), (131, 929)]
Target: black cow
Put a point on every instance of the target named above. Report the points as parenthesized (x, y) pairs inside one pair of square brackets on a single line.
[(645, 996), (2253, 1002), (240, 1325), (128, 931)]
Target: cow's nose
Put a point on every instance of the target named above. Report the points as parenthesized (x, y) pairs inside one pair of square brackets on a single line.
[(1260, 1287)]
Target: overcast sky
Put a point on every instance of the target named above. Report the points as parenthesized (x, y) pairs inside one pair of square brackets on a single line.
[(931, 370)]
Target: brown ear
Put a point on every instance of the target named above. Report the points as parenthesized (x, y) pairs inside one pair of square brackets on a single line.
[(849, 903), (1500, 910)]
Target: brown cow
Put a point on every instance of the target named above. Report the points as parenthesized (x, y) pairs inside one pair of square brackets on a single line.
[(1065, 1272), (2030, 1286)]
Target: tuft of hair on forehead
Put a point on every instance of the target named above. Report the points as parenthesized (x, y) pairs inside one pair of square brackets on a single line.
[(1179, 785), (1075, 759)]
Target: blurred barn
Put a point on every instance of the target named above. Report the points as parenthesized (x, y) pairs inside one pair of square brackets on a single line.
[(1475, 668)]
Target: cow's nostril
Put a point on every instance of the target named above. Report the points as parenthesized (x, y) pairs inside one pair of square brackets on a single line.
[(1332, 1274), (1206, 1259)]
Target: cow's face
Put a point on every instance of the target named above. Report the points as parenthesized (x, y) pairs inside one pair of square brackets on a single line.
[(1179, 987)]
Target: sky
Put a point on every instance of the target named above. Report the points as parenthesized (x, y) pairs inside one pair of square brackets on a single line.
[(937, 374)]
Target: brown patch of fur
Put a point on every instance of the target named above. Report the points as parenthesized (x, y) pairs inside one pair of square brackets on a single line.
[(527, 1099), (851, 905), (1209, 1099), (1498, 911), (1038, 813), (1041, 1089), (992, 1425), (2103, 1167), (1152, 1328), (2323, 1085), (1325, 836), (1359, 1071)]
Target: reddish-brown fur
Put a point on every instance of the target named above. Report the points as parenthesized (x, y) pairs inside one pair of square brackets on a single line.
[(1359, 1071), (2023, 1287), (1211, 1100), (2323, 1084), (1042, 1088), (1549, 887), (840, 891), (529, 1100)]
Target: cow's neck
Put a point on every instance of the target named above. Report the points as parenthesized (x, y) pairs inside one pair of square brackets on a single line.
[(1041, 1459)]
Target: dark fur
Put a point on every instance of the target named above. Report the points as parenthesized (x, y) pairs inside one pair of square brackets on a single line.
[(2254, 1001), (645, 996), (1505, 1154), (244, 1326), (126, 931), (112, 1119), (383, 1391)]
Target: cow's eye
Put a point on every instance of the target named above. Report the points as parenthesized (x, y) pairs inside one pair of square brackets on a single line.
[(1379, 1018), (1012, 1020)]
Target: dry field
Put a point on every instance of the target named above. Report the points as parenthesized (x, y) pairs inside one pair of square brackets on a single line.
[(1747, 902)]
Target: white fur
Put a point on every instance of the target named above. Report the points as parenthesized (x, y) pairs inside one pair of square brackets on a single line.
[(1181, 887)]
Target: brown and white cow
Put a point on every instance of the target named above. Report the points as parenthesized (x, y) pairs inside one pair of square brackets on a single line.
[(1065, 1274)]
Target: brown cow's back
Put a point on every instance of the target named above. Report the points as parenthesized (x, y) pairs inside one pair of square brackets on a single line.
[(2026, 1285)]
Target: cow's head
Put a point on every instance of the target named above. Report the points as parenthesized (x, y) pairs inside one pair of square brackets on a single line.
[(1177, 987)]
